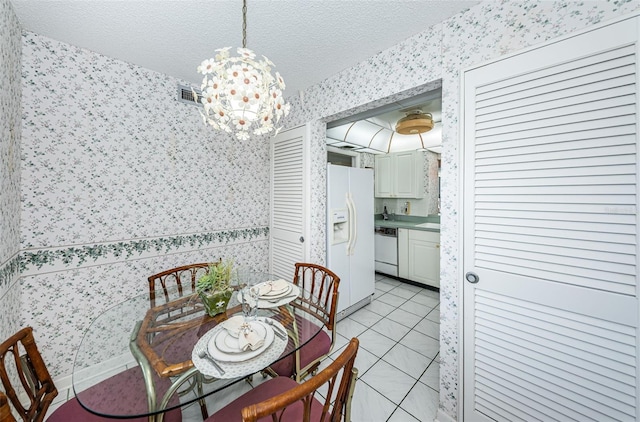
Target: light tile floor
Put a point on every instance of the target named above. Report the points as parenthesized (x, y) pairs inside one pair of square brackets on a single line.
[(398, 358)]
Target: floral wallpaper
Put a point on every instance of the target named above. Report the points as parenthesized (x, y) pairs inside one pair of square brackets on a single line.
[(109, 154), (10, 51), (118, 180), (422, 63)]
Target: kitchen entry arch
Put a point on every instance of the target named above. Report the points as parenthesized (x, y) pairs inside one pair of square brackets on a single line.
[(550, 231), (289, 232)]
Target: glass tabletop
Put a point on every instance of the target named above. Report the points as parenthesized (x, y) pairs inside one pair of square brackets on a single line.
[(133, 358)]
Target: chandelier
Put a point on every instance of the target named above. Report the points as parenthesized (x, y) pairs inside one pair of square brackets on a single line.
[(240, 94)]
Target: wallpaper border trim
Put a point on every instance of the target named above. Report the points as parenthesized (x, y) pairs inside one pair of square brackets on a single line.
[(9, 271), (31, 261)]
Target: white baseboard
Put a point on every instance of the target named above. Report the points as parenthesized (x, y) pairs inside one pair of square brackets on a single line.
[(96, 373), (351, 309), (443, 417)]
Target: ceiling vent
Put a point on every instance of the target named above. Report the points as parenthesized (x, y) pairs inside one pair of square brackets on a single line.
[(415, 122), (185, 95)]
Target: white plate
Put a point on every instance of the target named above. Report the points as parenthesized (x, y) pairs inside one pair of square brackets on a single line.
[(271, 302), (240, 356), (240, 368), (274, 302), (228, 343), (281, 293), (284, 287)]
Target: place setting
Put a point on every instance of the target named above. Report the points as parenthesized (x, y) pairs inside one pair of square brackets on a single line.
[(274, 293), (242, 344)]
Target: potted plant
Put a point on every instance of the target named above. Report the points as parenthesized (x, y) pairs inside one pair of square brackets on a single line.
[(214, 288)]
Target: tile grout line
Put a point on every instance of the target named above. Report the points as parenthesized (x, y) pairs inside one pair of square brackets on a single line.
[(417, 380)]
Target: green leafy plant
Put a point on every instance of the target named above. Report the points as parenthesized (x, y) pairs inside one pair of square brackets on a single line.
[(217, 279)]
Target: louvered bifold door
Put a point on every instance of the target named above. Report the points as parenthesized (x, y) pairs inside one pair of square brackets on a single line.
[(288, 199), (550, 230)]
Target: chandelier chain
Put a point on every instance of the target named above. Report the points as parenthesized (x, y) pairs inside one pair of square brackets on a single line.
[(244, 24)]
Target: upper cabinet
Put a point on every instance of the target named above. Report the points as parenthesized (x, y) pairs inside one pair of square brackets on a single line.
[(400, 175)]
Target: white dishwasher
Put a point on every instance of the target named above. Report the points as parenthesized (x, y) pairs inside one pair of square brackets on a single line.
[(386, 250)]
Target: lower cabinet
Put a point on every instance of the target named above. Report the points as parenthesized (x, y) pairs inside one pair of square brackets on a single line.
[(419, 256)]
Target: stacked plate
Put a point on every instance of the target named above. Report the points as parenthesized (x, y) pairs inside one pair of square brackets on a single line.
[(276, 293), (225, 345)]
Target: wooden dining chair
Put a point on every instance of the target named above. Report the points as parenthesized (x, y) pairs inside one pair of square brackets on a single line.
[(319, 298), (30, 388), (165, 280), (5, 410), (284, 400)]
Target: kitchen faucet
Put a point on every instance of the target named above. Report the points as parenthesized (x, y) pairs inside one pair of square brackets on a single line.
[(385, 215)]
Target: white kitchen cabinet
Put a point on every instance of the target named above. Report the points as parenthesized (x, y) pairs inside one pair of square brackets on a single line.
[(403, 253), (384, 176), (419, 256), (399, 175)]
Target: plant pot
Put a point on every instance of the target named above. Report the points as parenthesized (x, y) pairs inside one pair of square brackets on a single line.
[(215, 302)]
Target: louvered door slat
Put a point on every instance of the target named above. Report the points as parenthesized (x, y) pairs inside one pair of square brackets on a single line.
[(498, 409), (551, 230), (560, 242), (554, 344), (551, 98), (607, 179), (558, 223), (578, 254), (569, 66), (503, 312), (526, 213), (619, 385), (555, 155), (561, 164), (535, 396), (604, 110), (586, 98), (621, 239), (620, 135), (580, 128), (621, 168)]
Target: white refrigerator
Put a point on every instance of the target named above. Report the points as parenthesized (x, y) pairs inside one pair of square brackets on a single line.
[(350, 235)]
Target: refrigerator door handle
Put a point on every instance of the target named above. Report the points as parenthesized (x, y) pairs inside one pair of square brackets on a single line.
[(350, 212), (352, 224)]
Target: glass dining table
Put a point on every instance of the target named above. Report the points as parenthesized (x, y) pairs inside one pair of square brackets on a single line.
[(136, 361)]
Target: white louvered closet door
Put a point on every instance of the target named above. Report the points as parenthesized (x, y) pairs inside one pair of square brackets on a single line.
[(550, 230), (289, 195)]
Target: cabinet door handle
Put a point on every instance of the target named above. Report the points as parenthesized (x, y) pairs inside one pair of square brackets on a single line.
[(438, 246)]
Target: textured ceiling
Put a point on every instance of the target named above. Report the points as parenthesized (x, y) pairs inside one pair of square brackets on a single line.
[(308, 40)]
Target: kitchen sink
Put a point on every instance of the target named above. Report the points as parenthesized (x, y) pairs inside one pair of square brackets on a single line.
[(429, 226)]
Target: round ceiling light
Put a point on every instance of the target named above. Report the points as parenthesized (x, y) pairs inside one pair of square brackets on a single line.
[(415, 122)]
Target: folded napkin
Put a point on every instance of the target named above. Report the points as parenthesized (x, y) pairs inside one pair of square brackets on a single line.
[(249, 336), (272, 286), (233, 325), (250, 339)]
